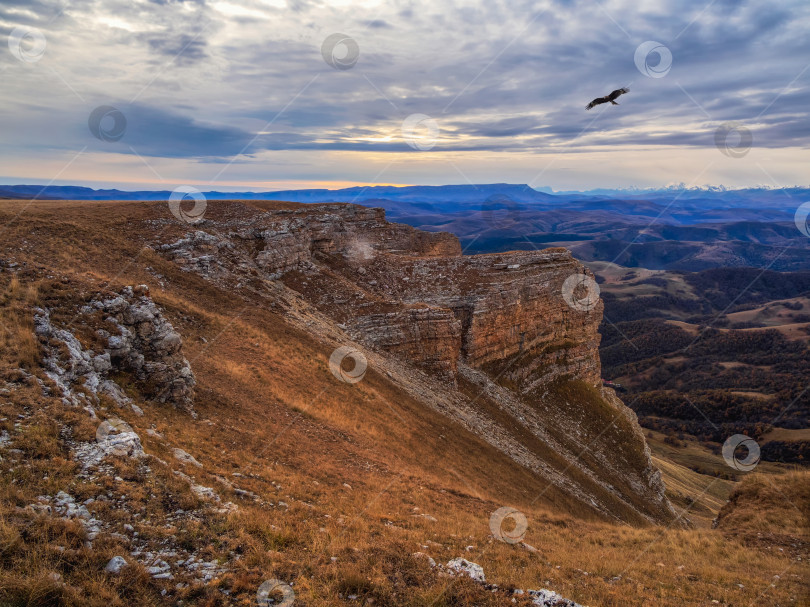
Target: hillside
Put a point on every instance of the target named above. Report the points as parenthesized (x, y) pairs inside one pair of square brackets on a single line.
[(710, 354), (174, 394)]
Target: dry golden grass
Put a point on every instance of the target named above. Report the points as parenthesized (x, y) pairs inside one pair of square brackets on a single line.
[(702, 494), (696, 456), (17, 338), (764, 504), (271, 412)]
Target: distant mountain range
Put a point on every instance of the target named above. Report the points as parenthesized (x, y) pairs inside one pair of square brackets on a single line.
[(671, 228), (465, 193)]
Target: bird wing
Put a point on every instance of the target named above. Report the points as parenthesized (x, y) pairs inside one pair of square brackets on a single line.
[(596, 101), (618, 92)]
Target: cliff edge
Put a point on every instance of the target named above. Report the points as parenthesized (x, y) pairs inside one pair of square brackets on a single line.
[(490, 341)]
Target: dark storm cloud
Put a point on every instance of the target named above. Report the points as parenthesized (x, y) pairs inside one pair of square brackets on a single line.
[(152, 131)]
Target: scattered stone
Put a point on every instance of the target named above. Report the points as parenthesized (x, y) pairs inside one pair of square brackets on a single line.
[(206, 493), (116, 564), (65, 505), (549, 598), (246, 494), (541, 598), (427, 517), (114, 438), (160, 570), (463, 566), (422, 555), (186, 457)]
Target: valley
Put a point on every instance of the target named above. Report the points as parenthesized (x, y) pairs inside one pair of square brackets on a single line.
[(709, 354)]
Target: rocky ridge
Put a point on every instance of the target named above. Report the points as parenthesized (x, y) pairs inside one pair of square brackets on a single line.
[(160, 508), (410, 292), (498, 325)]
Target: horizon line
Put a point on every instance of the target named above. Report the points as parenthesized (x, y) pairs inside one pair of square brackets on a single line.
[(360, 185)]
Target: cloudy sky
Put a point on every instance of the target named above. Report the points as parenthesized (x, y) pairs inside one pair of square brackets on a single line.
[(274, 94)]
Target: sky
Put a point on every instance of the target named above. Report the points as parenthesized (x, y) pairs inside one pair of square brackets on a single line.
[(259, 95)]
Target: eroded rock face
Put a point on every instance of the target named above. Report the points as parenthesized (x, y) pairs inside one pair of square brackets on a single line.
[(496, 324), (148, 346), (426, 335), (411, 292), (289, 240), (144, 343), (508, 305)]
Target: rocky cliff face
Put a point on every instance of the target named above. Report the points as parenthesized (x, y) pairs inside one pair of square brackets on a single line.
[(411, 292), (509, 307), (489, 332), (429, 336)]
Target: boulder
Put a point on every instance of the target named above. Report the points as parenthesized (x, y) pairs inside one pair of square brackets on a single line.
[(145, 345)]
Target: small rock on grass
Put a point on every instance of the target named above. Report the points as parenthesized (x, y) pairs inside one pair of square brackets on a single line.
[(116, 564)]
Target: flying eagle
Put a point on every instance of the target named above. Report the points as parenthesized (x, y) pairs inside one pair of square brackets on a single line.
[(610, 98)]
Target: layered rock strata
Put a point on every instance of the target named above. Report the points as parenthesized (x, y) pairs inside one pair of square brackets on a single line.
[(488, 340), (411, 292)]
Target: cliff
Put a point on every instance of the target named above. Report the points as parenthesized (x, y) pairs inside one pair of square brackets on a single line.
[(413, 295)]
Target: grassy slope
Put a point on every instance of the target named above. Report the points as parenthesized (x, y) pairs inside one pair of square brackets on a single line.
[(270, 411)]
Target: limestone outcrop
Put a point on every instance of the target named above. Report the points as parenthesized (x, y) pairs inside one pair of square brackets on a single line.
[(148, 346), (411, 292), (499, 328), (138, 340)]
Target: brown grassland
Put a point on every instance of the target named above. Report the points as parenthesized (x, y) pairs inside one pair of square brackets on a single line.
[(352, 480)]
